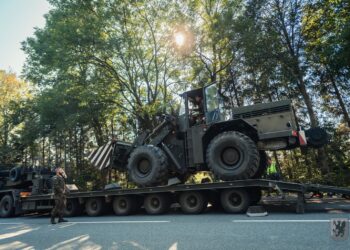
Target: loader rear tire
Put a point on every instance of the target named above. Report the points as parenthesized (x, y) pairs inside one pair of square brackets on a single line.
[(232, 155), (148, 166)]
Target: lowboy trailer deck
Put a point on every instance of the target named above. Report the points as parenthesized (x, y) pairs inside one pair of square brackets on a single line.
[(232, 196)]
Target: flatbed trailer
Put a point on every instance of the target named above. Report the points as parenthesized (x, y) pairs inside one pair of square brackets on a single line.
[(232, 196)]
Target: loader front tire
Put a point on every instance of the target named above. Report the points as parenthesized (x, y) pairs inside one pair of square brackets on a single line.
[(148, 166)]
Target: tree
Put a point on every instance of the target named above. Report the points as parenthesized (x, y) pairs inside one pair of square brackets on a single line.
[(13, 92), (120, 45), (326, 27)]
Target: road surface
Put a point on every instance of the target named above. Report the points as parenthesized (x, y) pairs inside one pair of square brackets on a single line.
[(281, 229)]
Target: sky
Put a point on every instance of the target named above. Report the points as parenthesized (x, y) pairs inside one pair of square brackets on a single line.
[(18, 18)]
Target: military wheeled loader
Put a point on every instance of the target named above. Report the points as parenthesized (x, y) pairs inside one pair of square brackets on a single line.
[(206, 137)]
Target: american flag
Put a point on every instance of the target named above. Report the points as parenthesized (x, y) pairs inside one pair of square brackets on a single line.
[(101, 157)]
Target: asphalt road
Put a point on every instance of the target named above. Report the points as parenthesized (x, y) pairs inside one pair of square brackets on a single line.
[(281, 229)]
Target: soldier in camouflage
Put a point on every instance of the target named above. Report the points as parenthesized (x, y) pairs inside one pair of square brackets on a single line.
[(59, 190)]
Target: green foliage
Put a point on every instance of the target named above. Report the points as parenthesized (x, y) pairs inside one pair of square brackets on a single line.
[(109, 67)]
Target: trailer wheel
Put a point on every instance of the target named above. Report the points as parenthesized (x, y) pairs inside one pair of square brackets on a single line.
[(235, 200), (15, 174), (6, 206), (232, 155), (255, 195), (262, 165), (94, 206), (156, 203), (148, 166), (193, 202), (124, 205), (73, 208)]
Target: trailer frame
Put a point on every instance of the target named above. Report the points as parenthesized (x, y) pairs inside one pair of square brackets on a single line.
[(35, 203)]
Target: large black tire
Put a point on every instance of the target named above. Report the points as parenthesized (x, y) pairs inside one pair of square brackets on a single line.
[(6, 206), (157, 203), (232, 155), (73, 208), (262, 165), (235, 200), (95, 206), (125, 205), (193, 202), (15, 174), (148, 166)]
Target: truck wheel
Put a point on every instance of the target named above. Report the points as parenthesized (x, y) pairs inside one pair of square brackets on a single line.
[(73, 208), (6, 206), (262, 165), (255, 195), (157, 203), (148, 166), (15, 174), (235, 200), (124, 205), (232, 155), (94, 206), (193, 202)]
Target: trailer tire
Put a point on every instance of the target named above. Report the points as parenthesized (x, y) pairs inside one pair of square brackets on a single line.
[(94, 206), (148, 166), (262, 165), (232, 155), (235, 200), (15, 174), (156, 203), (73, 208), (6, 206), (124, 205), (193, 202)]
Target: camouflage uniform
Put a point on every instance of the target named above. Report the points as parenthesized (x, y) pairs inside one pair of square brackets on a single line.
[(59, 189)]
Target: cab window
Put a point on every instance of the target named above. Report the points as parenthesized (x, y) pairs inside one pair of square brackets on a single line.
[(212, 98)]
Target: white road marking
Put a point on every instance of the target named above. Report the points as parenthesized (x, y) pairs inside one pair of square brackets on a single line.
[(119, 222), (11, 223), (97, 222), (280, 221)]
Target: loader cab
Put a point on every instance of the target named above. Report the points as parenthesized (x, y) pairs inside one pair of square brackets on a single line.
[(199, 107)]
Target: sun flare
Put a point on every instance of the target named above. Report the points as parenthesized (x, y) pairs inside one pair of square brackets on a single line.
[(179, 39)]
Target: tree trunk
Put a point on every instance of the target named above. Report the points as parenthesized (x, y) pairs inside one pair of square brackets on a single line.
[(43, 152), (341, 102), (308, 102), (98, 131), (234, 88), (322, 157)]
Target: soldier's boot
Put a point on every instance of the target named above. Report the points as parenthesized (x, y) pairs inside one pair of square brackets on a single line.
[(53, 219), (61, 220)]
